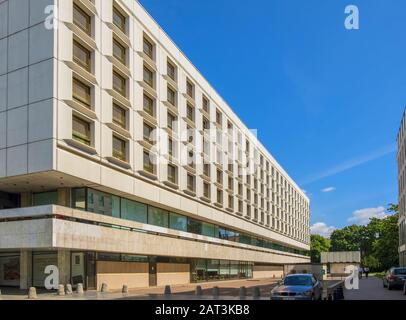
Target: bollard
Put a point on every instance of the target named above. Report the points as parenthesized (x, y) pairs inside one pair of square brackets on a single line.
[(125, 289), (199, 291), (243, 293), (216, 292), (104, 287), (79, 288), (61, 290), (257, 292), (32, 293), (69, 290), (168, 290)]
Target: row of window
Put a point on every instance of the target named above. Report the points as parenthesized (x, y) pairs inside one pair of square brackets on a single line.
[(106, 204)]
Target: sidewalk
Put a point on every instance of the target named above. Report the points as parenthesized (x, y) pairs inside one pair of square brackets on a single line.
[(229, 290)]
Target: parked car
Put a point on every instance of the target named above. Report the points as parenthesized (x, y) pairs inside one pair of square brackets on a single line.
[(298, 287), (394, 278)]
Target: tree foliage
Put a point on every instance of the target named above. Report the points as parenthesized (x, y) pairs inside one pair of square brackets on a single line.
[(377, 241), (318, 244)]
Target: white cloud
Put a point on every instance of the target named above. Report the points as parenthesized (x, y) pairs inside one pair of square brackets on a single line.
[(322, 229), (363, 216), (329, 189)]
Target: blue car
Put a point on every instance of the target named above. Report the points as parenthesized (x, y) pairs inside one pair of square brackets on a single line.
[(298, 287)]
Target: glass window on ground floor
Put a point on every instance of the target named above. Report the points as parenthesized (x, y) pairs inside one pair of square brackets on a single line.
[(45, 198), (214, 270), (10, 269), (40, 261), (134, 211), (107, 204)]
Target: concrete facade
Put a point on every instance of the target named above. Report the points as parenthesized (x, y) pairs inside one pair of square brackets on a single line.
[(401, 158), (233, 182)]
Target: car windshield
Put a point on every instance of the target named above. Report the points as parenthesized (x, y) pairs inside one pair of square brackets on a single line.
[(298, 281), (400, 271)]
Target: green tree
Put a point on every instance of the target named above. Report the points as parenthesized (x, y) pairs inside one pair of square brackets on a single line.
[(371, 262), (378, 241), (386, 244), (346, 239), (318, 244)]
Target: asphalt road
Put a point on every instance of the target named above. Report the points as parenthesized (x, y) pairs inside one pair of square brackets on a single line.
[(372, 289)]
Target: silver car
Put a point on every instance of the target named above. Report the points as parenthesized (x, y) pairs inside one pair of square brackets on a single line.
[(298, 287)]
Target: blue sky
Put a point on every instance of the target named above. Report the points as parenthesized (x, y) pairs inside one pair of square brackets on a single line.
[(327, 102)]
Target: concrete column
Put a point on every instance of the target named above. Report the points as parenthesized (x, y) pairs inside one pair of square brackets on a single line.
[(64, 197), (64, 266), (25, 269), (26, 199)]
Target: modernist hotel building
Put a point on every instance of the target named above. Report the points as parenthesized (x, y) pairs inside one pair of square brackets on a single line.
[(120, 164)]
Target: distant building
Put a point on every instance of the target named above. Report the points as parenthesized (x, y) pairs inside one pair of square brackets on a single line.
[(337, 262), (402, 191)]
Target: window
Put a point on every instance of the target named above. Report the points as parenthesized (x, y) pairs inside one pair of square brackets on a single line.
[(219, 196), (206, 190), (81, 56), (219, 177), (206, 124), (206, 147), (171, 70), (191, 159), (191, 185), (148, 48), (206, 105), (119, 149), (148, 77), (171, 147), (240, 190), (172, 174), (190, 113), (219, 118), (148, 165), (206, 169), (171, 96), (119, 84), (134, 211), (149, 105), (177, 222), (230, 183), (171, 121), (119, 20), (81, 130), (82, 20), (119, 116), (81, 93), (148, 133), (240, 206), (190, 89), (45, 198), (158, 217), (119, 52), (230, 202)]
